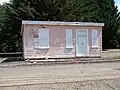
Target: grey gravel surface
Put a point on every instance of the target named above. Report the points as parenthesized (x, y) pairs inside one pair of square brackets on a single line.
[(97, 76), (111, 54), (56, 77), (111, 84)]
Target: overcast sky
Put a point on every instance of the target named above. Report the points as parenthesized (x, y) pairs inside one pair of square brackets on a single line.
[(2, 1), (117, 2)]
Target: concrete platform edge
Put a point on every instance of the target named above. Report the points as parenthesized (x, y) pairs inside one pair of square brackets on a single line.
[(33, 63)]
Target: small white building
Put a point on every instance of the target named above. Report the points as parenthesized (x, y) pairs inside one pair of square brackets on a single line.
[(54, 39)]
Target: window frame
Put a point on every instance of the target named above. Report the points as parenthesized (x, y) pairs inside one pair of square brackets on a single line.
[(48, 41), (69, 41), (95, 41)]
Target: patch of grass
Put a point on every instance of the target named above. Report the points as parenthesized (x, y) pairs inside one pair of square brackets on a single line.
[(117, 57)]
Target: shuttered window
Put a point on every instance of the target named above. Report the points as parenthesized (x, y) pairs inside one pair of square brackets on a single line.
[(94, 38), (69, 38), (44, 38)]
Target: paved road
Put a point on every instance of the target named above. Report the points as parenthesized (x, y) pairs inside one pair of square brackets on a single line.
[(17, 76)]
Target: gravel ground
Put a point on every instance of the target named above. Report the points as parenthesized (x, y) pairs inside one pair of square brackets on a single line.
[(111, 54), (111, 84), (49, 77), (59, 71)]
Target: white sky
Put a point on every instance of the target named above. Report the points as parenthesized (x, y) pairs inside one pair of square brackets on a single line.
[(118, 6), (117, 2), (2, 1)]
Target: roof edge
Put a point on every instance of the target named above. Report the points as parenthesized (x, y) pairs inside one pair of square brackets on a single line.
[(62, 23)]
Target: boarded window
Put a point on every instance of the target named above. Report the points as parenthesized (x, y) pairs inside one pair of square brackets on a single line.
[(94, 38), (35, 38), (44, 38), (69, 38)]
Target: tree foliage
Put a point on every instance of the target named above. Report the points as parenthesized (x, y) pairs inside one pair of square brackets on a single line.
[(12, 13)]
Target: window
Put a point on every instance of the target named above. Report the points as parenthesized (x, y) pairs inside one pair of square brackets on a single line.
[(35, 38), (44, 38), (94, 38), (69, 38)]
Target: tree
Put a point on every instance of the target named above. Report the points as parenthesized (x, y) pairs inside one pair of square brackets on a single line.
[(101, 11), (110, 16), (14, 12)]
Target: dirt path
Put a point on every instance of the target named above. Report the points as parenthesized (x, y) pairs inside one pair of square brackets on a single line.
[(58, 73), (111, 84)]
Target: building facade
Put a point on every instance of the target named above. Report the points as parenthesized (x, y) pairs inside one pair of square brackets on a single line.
[(54, 39)]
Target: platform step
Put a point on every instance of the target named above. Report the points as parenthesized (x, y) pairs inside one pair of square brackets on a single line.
[(64, 60)]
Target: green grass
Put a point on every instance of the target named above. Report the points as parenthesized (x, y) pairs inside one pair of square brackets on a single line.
[(117, 57)]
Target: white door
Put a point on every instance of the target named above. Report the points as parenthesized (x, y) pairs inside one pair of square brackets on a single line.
[(81, 43)]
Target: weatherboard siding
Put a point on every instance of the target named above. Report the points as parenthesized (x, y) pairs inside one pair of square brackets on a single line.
[(58, 42)]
